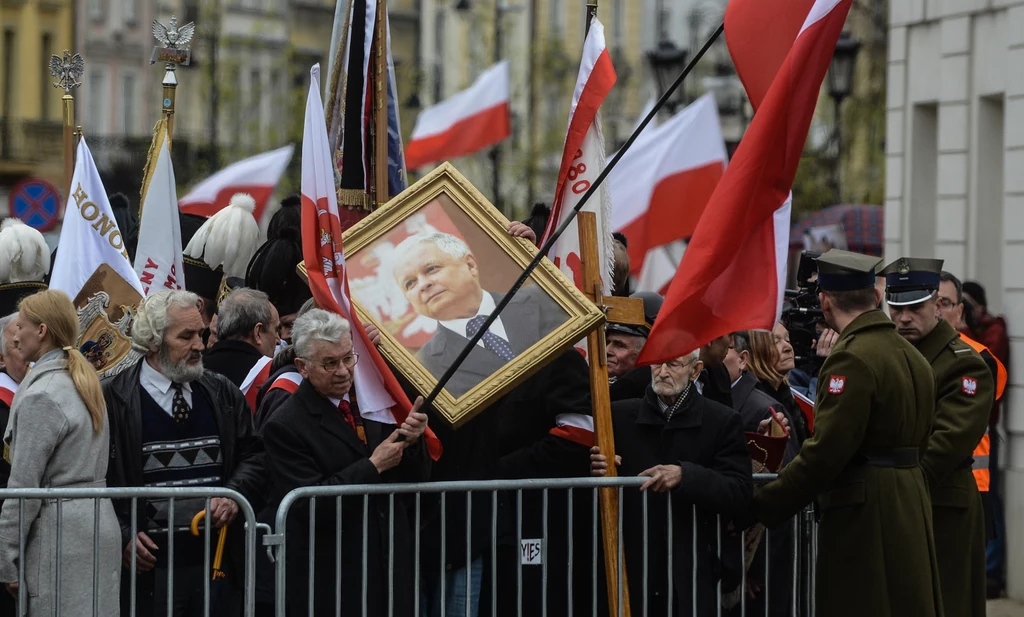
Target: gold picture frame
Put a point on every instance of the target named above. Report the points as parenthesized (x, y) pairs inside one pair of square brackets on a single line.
[(444, 202)]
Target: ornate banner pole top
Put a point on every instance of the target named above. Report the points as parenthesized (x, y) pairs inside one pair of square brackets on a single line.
[(68, 70), (173, 51)]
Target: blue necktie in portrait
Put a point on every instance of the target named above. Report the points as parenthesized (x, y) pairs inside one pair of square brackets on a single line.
[(491, 340)]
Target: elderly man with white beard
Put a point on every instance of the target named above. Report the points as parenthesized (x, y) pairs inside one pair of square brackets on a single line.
[(173, 423), (694, 452)]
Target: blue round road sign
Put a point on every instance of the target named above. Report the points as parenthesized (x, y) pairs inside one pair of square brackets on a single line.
[(36, 202)]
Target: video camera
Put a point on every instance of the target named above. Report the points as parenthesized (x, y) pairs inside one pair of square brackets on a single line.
[(801, 312)]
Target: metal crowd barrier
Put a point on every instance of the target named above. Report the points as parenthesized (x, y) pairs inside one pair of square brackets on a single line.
[(57, 498), (800, 591)]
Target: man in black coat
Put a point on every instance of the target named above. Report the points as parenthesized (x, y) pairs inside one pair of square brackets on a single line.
[(694, 453), (172, 423), (319, 438), (247, 326), (441, 279)]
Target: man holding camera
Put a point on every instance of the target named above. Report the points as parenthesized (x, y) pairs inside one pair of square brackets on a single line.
[(965, 391)]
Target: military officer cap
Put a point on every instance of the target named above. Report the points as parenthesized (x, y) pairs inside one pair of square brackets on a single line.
[(845, 271), (911, 280), (652, 304)]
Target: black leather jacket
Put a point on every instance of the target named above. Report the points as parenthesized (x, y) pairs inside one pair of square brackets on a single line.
[(241, 448)]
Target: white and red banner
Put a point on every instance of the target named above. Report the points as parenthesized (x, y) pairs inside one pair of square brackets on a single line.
[(474, 119), (379, 394), (158, 256), (732, 276), (257, 175), (90, 240), (254, 380), (661, 186), (582, 161)]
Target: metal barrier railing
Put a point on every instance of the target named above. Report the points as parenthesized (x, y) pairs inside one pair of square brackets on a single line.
[(58, 498), (704, 529)]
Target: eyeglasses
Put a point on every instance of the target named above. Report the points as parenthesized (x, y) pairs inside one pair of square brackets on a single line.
[(672, 365), (946, 303), (331, 364)]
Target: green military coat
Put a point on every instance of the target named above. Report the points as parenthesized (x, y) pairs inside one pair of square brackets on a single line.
[(876, 553), (964, 394)]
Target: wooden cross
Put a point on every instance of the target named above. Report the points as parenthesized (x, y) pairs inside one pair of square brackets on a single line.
[(620, 310)]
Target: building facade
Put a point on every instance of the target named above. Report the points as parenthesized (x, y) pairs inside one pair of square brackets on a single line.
[(30, 107), (542, 40), (954, 187)]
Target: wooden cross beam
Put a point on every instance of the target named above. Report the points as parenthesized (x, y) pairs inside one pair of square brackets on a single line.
[(617, 310)]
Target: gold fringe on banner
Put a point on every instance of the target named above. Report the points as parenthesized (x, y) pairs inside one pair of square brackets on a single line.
[(159, 135)]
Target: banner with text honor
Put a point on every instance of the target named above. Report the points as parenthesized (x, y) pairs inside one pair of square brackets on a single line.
[(91, 249)]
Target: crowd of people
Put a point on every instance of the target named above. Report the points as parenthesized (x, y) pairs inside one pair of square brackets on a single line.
[(246, 384)]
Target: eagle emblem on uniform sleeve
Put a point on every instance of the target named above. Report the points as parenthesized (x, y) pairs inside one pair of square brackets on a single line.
[(969, 386), (836, 384)]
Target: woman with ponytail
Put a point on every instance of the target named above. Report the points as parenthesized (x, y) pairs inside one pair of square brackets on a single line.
[(58, 437)]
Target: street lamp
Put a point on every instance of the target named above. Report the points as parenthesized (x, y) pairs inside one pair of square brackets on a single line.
[(840, 73), (840, 85), (667, 62)]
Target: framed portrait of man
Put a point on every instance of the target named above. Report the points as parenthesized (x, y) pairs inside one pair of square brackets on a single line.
[(428, 267)]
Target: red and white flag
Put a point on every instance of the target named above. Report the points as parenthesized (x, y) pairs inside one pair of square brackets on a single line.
[(474, 119), (662, 185), (158, 260), (254, 380), (257, 175), (582, 161), (379, 394), (732, 276)]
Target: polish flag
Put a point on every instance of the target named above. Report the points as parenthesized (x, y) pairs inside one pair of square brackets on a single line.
[(582, 161), (257, 175), (732, 276), (379, 394), (474, 119), (661, 186)]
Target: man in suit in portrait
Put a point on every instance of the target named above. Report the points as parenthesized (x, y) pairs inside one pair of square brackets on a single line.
[(440, 277)]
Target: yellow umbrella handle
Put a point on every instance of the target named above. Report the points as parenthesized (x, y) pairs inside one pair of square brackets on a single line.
[(218, 556)]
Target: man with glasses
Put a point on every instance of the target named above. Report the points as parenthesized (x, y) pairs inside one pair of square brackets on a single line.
[(319, 437), (693, 451), (965, 391)]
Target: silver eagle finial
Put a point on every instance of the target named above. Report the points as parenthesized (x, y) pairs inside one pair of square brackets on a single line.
[(172, 36), (67, 70)]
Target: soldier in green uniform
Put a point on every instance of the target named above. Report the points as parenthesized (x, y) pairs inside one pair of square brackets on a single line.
[(964, 393), (873, 415)]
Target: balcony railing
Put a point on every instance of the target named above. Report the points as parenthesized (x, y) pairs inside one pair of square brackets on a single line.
[(30, 141)]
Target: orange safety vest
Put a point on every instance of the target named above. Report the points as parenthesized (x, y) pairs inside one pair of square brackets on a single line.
[(982, 450)]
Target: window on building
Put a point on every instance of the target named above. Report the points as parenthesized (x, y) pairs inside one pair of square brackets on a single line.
[(191, 11), (96, 10), (275, 93), (9, 77), (129, 12), (256, 104), (556, 17), (620, 25), (46, 86), (128, 103), (97, 102)]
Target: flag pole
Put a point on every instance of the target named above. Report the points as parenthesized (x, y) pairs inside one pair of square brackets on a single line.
[(68, 69), (174, 51), (380, 106), (546, 248)]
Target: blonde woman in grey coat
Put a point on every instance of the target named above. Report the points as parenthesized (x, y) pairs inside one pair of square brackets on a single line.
[(58, 437)]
